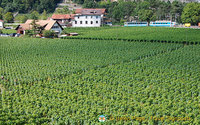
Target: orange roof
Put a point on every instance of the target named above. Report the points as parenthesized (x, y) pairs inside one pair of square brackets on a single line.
[(62, 16), (25, 26), (1, 20), (47, 24), (79, 11)]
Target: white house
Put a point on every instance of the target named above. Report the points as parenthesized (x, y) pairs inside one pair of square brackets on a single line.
[(87, 21), (88, 18), (1, 24)]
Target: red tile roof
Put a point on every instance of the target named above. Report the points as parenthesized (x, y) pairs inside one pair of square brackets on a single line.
[(62, 16), (80, 11), (1, 20)]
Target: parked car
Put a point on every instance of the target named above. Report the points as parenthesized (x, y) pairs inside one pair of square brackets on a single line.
[(64, 35), (108, 23), (4, 35), (17, 35), (187, 24), (12, 34), (8, 28)]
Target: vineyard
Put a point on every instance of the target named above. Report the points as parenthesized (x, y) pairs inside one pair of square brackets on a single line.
[(142, 34), (73, 81)]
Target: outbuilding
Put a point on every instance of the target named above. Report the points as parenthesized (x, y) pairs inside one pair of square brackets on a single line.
[(1, 24)]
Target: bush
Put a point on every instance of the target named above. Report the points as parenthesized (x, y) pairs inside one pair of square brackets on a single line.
[(29, 33), (21, 18), (1, 31), (49, 34)]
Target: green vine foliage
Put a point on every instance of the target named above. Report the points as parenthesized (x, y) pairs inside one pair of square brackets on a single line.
[(54, 81)]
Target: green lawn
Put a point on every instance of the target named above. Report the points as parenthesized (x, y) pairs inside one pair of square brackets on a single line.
[(9, 31)]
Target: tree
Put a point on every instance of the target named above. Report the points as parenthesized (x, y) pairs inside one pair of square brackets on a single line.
[(21, 18), (9, 7), (8, 17), (146, 15), (111, 9), (176, 10), (48, 34), (140, 7), (79, 1), (163, 10), (90, 4), (65, 10), (1, 13), (37, 29), (24, 18), (44, 15), (191, 13), (123, 10), (34, 15)]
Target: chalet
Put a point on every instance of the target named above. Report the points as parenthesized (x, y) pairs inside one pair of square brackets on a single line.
[(1, 24), (88, 18), (45, 25), (63, 19)]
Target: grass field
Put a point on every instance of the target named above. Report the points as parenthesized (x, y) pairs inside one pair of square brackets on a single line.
[(73, 81), (9, 31)]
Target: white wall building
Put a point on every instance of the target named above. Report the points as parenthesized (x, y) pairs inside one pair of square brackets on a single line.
[(88, 17), (1, 24), (87, 21)]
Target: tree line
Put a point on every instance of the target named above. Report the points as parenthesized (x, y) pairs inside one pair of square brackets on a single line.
[(117, 12), (25, 6), (147, 10)]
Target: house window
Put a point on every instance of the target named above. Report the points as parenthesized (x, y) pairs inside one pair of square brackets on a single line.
[(75, 22), (97, 17), (86, 22), (78, 17), (91, 22), (55, 27), (91, 16), (97, 21), (86, 17), (81, 22)]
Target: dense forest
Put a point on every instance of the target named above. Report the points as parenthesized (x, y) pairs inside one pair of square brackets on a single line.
[(25, 6)]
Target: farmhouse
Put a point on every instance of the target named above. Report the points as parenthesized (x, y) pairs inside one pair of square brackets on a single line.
[(88, 18), (44, 24), (79, 11), (1, 24), (63, 19)]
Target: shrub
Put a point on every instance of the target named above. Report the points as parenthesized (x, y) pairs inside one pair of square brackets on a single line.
[(49, 34), (29, 33)]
